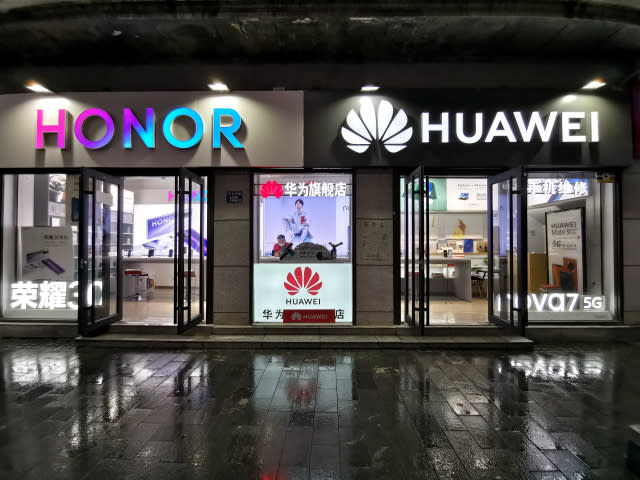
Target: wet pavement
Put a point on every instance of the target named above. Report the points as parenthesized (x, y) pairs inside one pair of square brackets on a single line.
[(559, 412)]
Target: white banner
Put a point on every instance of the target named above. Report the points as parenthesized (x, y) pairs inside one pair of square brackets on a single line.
[(299, 293), (564, 249), (464, 194)]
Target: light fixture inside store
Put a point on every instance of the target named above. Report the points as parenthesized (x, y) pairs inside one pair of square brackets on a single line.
[(369, 88), (219, 87), (37, 88), (593, 84)]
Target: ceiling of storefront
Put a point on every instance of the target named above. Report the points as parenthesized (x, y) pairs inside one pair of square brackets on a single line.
[(181, 45)]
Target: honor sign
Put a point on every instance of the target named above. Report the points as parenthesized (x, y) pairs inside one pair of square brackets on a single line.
[(144, 127)]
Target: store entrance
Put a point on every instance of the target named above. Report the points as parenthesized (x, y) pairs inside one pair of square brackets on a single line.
[(444, 239), (142, 251)]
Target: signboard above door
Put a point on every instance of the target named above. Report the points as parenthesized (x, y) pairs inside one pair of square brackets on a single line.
[(467, 129)]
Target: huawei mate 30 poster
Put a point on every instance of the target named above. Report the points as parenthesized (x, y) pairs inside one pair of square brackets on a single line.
[(564, 249)]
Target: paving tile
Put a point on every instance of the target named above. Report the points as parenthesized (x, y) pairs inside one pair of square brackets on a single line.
[(87, 413)]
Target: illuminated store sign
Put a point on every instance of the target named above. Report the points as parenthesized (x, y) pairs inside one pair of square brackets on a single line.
[(303, 189), (314, 293), (558, 302), (551, 190), (49, 295), (144, 129), (388, 126)]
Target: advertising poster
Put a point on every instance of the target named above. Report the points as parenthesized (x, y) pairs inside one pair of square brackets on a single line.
[(466, 194), (437, 194), (320, 220), (298, 293), (153, 229), (564, 249), (47, 254), (305, 211)]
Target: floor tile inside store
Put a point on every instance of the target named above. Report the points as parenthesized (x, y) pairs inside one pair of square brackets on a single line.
[(74, 412)]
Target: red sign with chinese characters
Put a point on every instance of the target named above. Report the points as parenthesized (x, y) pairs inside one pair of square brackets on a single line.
[(309, 316)]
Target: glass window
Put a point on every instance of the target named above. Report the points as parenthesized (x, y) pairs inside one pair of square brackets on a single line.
[(571, 222), (40, 254), (302, 248)]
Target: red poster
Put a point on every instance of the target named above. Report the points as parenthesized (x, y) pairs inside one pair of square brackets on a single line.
[(309, 316)]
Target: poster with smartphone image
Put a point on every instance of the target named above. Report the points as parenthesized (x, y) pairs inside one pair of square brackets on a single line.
[(565, 249), (47, 253)]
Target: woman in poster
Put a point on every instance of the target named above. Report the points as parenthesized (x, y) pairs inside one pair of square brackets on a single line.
[(297, 224)]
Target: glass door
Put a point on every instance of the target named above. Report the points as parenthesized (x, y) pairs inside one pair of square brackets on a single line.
[(507, 243), (189, 250), (415, 265), (100, 251)]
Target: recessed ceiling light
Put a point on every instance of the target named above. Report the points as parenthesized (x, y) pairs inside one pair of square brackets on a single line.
[(36, 87), (369, 88), (593, 84), (219, 87)]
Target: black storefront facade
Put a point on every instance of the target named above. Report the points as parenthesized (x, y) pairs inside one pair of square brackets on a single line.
[(507, 201)]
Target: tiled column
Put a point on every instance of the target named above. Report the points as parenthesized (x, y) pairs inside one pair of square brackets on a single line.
[(631, 243), (374, 246), (231, 250)]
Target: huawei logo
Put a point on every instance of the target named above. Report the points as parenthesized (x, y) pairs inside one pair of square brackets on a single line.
[(271, 188), (303, 280), (364, 129)]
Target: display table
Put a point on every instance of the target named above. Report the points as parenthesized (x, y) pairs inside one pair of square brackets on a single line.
[(158, 268), (461, 282)]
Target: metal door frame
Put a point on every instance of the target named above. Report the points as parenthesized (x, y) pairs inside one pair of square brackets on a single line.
[(182, 304), (518, 225), (87, 321)]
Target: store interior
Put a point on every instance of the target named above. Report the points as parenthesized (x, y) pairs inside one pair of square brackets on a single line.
[(570, 257), (457, 264), (43, 228)]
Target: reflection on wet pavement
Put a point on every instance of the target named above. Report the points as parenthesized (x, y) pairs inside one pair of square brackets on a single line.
[(77, 412)]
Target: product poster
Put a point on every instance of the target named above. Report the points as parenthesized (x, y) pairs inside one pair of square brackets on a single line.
[(47, 254), (437, 194), (564, 249), (153, 229), (466, 194), (299, 293)]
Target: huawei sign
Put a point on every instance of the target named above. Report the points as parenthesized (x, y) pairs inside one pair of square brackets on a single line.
[(381, 126), (306, 280), (271, 188)]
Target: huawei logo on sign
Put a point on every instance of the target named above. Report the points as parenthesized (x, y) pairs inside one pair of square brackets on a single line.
[(303, 280), (363, 129), (271, 188)]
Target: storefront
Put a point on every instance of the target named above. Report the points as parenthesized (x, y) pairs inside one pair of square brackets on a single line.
[(315, 208), (506, 204)]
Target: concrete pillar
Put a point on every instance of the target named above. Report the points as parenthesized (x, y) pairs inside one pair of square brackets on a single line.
[(373, 264), (231, 249)]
